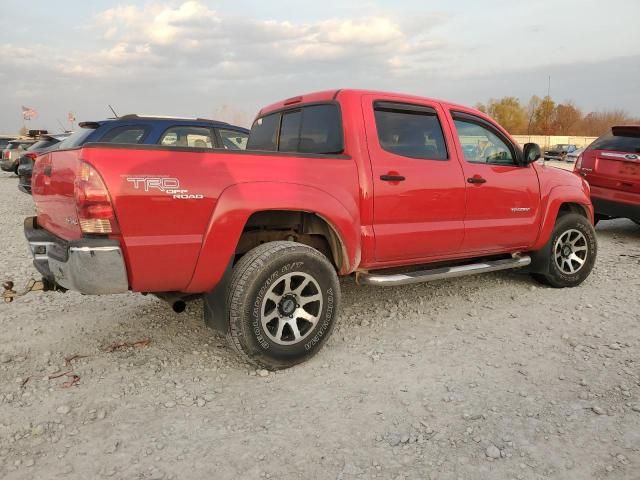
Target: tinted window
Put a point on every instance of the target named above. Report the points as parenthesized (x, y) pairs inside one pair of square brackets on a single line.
[(290, 131), (410, 133), (179, 136), (617, 143), (17, 145), (263, 133), (127, 134), (233, 139), (76, 139), (40, 144), (481, 145), (321, 130)]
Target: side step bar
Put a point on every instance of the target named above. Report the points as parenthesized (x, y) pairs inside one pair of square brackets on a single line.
[(382, 280)]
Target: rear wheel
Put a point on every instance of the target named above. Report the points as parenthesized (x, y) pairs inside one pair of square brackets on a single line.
[(570, 253), (283, 303)]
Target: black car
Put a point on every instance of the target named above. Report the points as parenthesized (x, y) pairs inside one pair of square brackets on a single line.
[(150, 130), (559, 151), (43, 144)]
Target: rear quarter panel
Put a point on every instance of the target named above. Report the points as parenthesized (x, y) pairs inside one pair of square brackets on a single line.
[(165, 237)]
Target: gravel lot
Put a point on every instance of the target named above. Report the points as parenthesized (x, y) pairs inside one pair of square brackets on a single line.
[(482, 377)]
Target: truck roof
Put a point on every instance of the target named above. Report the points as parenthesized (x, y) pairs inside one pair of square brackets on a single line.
[(330, 95)]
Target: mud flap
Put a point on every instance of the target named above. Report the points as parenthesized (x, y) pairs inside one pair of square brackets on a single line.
[(216, 311), (540, 259)]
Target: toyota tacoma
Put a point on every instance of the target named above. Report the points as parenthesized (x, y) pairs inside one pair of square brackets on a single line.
[(392, 189)]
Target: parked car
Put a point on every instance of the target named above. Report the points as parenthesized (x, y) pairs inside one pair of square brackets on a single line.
[(342, 182), (611, 165), (559, 151), (157, 130), (149, 130), (571, 157), (43, 144), (12, 152), (4, 140)]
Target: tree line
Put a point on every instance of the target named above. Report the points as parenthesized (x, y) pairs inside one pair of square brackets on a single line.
[(543, 116)]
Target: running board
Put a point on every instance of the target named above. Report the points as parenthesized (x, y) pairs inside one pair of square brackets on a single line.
[(440, 273)]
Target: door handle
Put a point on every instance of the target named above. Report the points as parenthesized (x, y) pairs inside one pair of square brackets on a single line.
[(392, 178), (476, 180)]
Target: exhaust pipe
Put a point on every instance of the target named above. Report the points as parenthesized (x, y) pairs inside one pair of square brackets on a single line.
[(179, 306)]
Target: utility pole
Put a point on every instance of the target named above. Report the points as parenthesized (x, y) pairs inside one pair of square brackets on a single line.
[(549, 87)]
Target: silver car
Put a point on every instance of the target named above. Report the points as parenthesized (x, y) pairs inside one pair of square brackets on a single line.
[(13, 151)]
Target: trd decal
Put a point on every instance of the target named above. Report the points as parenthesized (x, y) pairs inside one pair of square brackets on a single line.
[(168, 185)]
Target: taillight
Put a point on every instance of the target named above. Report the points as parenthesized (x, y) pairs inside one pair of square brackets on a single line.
[(31, 155), (6, 154), (93, 203), (578, 165)]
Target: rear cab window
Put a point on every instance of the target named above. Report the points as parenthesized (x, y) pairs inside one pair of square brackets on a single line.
[(313, 129)]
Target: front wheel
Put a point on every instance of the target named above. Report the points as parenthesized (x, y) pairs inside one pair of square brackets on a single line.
[(570, 253), (283, 303)]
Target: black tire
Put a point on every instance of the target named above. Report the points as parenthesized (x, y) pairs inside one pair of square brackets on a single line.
[(560, 261), (264, 273)]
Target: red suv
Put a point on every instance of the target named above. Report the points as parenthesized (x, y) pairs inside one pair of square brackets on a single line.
[(611, 165)]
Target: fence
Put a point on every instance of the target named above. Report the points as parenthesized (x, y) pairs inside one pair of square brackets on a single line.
[(546, 141)]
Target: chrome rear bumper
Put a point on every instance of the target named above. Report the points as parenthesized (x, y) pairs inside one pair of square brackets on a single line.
[(90, 266)]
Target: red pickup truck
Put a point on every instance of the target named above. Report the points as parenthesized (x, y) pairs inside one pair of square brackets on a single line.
[(392, 188)]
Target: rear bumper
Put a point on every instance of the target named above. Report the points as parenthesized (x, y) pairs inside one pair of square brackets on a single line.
[(615, 209), (90, 266), (24, 184), (8, 165)]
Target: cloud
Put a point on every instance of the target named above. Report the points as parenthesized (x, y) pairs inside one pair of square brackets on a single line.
[(188, 58)]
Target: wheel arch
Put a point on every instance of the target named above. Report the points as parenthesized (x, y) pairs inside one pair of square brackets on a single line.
[(242, 205)]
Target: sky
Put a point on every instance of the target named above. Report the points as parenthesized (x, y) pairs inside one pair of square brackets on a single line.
[(225, 60)]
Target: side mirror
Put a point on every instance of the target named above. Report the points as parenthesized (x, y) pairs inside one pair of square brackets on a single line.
[(532, 152)]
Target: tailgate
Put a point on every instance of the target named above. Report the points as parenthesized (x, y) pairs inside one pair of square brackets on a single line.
[(54, 175), (616, 170)]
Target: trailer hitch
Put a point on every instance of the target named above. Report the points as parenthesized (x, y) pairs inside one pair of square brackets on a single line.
[(9, 294)]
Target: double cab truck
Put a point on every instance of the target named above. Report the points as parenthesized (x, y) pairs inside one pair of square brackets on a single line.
[(392, 189)]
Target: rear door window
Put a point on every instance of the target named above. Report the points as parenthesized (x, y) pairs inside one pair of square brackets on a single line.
[(233, 139), (617, 143), (129, 134), (185, 136), (410, 131)]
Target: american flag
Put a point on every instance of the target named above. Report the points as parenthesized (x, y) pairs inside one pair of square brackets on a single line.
[(28, 113)]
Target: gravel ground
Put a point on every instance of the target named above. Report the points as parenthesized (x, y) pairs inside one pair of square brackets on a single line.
[(482, 377)]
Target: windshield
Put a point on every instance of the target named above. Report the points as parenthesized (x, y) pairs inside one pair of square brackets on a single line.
[(560, 146), (44, 143), (617, 143), (76, 139), (17, 145)]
